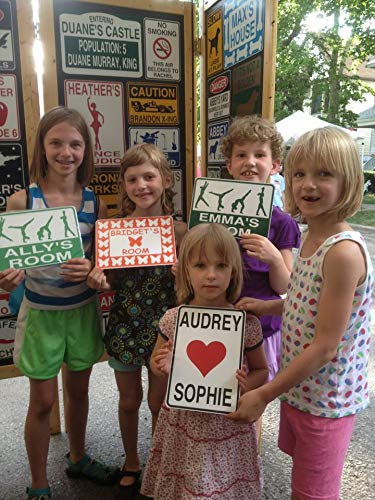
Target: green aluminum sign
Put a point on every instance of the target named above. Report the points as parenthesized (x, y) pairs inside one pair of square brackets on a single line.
[(244, 207), (39, 238)]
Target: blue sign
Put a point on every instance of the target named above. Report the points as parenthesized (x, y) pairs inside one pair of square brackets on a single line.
[(243, 30), (216, 131)]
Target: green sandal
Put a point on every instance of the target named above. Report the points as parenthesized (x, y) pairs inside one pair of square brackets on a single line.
[(38, 494), (92, 469)]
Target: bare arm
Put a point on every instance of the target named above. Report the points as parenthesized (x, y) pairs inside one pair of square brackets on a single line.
[(279, 271), (260, 307), (17, 201), (344, 269), (161, 357), (257, 373), (280, 262)]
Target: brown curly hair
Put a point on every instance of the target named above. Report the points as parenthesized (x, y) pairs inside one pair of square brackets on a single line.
[(137, 155), (252, 128)]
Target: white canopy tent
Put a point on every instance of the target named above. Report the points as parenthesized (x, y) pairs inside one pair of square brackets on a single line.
[(293, 126)]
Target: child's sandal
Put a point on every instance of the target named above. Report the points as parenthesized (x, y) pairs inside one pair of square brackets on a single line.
[(135, 486), (38, 494), (92, 469)]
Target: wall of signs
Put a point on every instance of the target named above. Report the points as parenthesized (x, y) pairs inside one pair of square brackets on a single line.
[(238, 49), (126, 65), (128, 70), (19, 112), (13, 147)]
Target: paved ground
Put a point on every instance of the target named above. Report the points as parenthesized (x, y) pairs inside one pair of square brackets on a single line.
[(104, 441)]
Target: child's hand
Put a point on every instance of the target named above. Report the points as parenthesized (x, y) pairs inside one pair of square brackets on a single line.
[(241, 376), (250, 408), (253, 306), (163, 358), (260, 248), (75, 270), (97, 280), (11, 278)]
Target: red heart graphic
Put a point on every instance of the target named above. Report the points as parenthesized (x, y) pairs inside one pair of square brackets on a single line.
[(205, 357), (3, 113)]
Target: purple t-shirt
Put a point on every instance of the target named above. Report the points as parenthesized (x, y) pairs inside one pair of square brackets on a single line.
[(284, 233)]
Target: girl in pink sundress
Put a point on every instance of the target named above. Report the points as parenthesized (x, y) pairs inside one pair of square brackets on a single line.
[(197, 455)]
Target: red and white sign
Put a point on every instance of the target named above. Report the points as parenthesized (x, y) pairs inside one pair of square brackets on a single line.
[(4, 305), (162, 49), (135, 242), (106, 300), (102, 105), (9, 118), (7, 334), (208, 349), (219, 96)]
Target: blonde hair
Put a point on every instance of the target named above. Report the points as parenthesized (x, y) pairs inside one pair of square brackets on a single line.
[(60, 114), (138, 155), (252, 129), (332, 149), (205, 239)]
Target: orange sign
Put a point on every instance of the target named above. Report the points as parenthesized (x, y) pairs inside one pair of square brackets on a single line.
[(214, 42), (135, 242)]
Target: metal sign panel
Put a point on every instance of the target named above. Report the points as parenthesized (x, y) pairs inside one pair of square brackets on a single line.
[(98, 44), (216, 131), (135, 242), (7, 55), (162, 49), (9, 117), (152, 104), (12, 173), (244, 207), (39, 237), (246, 87), (243, 30), (166, 139), (207, 351), (215, 42), (101, 104), (104, 183), (219, 96)]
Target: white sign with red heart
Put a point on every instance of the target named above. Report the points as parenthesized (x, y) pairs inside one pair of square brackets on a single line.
[(208, 349)]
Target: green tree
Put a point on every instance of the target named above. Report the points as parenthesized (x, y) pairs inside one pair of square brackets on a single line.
[(319, 67)]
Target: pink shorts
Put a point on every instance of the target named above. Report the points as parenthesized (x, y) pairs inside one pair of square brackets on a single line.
[(318, 446)]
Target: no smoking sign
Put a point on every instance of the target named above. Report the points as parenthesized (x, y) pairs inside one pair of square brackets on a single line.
[(163, 49)]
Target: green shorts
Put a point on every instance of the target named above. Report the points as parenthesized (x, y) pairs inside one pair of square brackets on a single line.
[(46, 339)]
